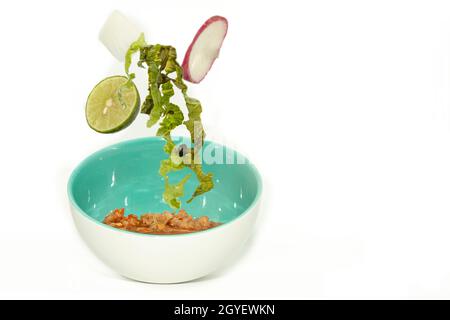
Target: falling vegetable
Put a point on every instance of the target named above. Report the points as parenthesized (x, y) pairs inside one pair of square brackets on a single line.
[(204, 49), (165, 76)]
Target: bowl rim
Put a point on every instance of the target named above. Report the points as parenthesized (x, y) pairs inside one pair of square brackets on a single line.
[(253, 204)]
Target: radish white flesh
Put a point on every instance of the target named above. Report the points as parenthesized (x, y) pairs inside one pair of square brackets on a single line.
[(204, 49), (118, 33)]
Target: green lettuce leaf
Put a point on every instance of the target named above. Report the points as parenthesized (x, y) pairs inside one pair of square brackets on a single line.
[(167, 92), (171, 62), (170, 164), (173, 191), (134, 47), (168, 147), (194, 123), (205, 180), (167, 166), (178, 81), (172, 119), (157, 110), (147, 106)]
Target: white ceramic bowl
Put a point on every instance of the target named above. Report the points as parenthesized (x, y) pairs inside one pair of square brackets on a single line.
[(123, 176)]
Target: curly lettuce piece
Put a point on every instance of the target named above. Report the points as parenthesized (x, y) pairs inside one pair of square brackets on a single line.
[(154, 106), (134, 47), (157, 109), (172, 119), (171, 62), (194, 123), (150, 54), (147, 106), (178, 81), (167, 166), (205, 180), (170, 145), (174, 191), (167, 92)]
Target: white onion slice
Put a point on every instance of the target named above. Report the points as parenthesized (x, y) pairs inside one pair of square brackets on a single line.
[(118, 33)]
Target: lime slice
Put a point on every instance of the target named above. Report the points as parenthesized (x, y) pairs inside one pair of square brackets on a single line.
[(111, 106)]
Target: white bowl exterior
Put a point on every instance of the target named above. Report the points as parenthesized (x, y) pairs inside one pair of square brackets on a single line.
[(166, 259)]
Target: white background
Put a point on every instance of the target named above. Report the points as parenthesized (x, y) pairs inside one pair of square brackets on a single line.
[(342, 105)]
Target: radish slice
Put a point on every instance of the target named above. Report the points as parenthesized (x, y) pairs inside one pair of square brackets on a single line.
[(118, 33), (204, 49)]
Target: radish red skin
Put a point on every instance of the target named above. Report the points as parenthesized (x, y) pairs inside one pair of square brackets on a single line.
[(185, 65)]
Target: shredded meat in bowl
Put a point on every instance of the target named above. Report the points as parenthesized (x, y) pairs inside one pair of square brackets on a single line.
[(158, 223)]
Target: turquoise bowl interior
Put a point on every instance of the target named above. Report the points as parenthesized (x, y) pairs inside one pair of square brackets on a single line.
[(126, 175)]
